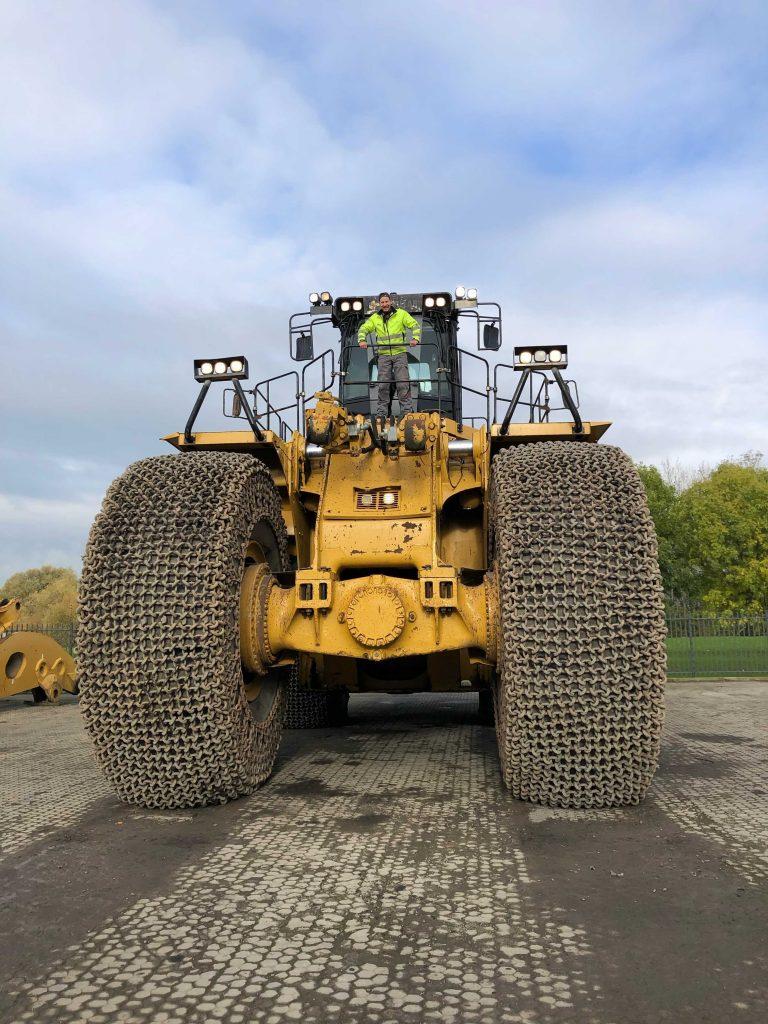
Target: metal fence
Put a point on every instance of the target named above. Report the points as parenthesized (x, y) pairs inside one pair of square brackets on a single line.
[(702, 644), (64, 635), (698, 643)]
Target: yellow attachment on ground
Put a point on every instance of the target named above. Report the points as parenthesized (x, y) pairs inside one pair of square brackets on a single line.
[(30, 660), (10, 609)]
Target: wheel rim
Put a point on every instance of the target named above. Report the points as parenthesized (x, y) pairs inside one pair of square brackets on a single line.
[(262, 691)]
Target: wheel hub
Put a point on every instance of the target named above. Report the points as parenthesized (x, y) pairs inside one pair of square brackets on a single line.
[(375, 616)]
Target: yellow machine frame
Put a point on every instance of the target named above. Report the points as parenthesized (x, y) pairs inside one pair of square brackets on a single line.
[(31, 661), (390, 548)]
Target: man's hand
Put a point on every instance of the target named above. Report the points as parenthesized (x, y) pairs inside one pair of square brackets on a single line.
[(414, 342), (362, 344)]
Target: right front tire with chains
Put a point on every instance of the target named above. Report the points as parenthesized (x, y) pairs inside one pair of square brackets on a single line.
[(162, 688), (581, 661)]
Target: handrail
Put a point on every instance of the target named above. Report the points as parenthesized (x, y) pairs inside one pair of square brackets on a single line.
[(265, 410), (367, 382), (443, 375), (276, 410), (321, 358)]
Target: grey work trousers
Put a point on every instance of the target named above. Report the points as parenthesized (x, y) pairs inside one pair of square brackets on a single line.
[(394, 368)]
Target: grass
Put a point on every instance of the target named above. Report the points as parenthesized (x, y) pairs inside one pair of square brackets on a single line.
[(718, 656)]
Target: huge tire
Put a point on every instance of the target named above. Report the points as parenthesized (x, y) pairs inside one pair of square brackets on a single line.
[(581, 660), (162, 688)]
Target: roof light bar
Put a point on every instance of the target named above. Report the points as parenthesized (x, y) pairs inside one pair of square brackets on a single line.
[(529, 357), (229, 368)]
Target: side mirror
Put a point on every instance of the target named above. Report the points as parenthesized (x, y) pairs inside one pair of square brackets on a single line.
[(491, 338), (232, 407), (305, 350)]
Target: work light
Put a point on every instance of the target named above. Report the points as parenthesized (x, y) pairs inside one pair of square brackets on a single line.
[(230, 368), (472, 294), (439, 299), (314, 298), (461, 291), (349, 302), (325, 298), (541, 358)]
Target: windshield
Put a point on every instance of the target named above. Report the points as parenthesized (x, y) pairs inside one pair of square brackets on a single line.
[(430, 390)]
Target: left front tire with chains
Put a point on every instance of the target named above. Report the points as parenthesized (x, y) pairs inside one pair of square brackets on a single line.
[(162, 689)]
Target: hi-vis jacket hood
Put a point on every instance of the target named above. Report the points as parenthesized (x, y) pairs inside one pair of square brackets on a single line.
[(390, 333)]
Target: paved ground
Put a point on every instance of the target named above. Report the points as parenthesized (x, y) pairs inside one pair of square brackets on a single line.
[(384, 875)]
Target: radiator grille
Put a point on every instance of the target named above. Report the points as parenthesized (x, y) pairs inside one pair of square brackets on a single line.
[(380, 499)]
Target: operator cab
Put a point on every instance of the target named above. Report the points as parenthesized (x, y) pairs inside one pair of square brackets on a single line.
[(433, 365), (441, 372)]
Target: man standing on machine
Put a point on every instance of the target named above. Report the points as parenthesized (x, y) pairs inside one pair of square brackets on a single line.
[(389, 325)]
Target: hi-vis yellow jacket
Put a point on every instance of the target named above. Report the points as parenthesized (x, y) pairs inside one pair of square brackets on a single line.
[(390, 333)]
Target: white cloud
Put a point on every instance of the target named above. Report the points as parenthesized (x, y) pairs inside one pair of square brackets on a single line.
[(177, 177), (41, 512), (108, 78)]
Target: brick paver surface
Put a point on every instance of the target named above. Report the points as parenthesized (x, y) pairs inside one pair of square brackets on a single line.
[(385, 875)]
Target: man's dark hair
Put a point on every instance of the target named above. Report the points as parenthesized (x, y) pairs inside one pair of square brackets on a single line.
[(382, 294)]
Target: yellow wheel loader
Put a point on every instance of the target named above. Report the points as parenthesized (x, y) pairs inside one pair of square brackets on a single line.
[(31, 662), (264, 574)]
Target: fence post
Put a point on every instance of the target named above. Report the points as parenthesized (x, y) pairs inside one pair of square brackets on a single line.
[(691, 648)]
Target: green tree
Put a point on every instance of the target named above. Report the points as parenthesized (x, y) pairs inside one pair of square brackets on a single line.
[(663, 501), (48, 595), (723, 522)]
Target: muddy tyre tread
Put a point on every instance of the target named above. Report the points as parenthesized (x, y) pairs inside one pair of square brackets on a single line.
[(162, 692), (582, 660)]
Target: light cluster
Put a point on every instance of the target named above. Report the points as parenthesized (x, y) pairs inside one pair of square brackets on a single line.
[(439, 301), (229, 368), (541, 358), (320, 298)]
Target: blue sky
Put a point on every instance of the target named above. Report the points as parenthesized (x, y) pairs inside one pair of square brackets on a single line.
[(175, 177)]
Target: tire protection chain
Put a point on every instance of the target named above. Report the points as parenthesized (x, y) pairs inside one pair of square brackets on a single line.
[(312, 709), (162, 692), (582, 659)]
